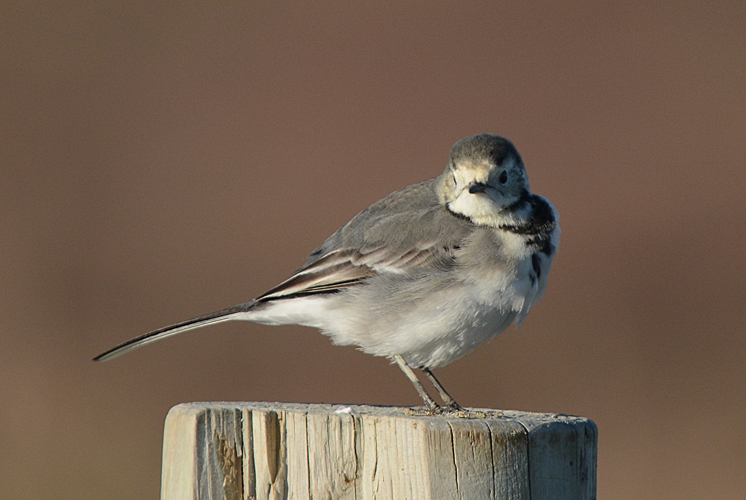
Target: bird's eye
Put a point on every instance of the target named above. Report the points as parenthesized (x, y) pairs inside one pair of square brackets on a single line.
[(503, 177)]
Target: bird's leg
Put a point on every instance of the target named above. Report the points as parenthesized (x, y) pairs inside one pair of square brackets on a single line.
[(447, 399), (429, 401)]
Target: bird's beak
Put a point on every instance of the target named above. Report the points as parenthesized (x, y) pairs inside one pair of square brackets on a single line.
[(477, 187)]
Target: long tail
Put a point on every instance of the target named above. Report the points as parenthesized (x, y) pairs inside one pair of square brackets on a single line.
[(228, 314)]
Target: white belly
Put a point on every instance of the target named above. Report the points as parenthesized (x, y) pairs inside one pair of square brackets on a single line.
[(433, 331)]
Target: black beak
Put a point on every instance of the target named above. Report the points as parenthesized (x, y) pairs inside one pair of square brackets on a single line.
[(477, 187)]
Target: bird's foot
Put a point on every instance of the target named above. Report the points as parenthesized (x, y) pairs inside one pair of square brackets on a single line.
[(451, 411)]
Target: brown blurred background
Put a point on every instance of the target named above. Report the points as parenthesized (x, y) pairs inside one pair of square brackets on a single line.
[(160, 161)]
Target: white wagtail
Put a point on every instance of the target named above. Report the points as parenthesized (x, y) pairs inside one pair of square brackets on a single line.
[(423, 276)]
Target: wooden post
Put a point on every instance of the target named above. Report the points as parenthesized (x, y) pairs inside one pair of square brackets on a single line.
[(298, 451)]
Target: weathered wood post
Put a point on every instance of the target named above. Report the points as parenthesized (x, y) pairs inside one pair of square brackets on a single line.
[(298, 451)]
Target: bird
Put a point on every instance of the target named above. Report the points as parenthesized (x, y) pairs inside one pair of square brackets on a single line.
[(423, 276)]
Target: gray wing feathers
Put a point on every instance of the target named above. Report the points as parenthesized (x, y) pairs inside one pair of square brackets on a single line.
[(399, 235)]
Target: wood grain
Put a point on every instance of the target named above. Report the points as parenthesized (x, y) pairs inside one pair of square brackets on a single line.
[(299, 451)]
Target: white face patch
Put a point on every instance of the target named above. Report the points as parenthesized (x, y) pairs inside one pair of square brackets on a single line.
[(479, 208), (483, 207)]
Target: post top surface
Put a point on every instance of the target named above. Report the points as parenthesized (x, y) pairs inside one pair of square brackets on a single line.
[(527, 419)]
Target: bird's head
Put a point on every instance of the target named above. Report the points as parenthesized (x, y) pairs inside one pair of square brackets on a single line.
[(485, 176)]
